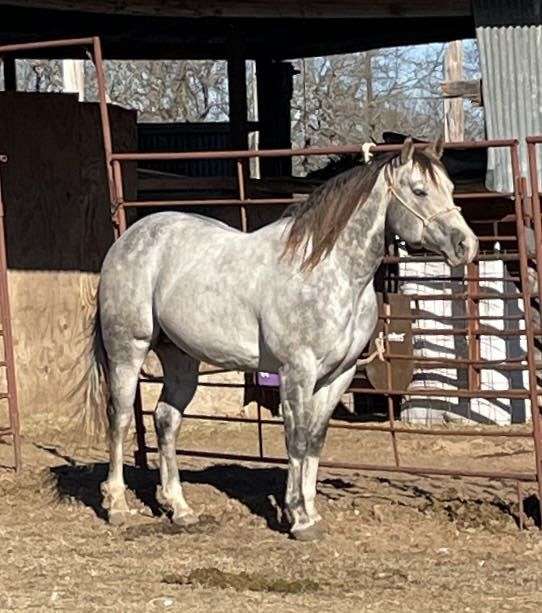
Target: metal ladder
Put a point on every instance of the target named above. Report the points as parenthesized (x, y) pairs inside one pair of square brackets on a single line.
[(7, 363)]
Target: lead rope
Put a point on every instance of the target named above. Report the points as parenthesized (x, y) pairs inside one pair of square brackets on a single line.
[(377, 353)]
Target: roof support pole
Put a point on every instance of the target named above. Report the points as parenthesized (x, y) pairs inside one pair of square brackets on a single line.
[(237, 91), (10, 73)]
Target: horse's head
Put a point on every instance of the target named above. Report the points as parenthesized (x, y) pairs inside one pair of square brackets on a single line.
[(422, 210)]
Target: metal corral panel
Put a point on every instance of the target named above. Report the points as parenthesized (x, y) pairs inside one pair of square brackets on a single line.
[(511, 66)]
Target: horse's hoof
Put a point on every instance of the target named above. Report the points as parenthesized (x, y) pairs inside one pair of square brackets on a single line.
[(185, 520), (314, 532), (118, 518)]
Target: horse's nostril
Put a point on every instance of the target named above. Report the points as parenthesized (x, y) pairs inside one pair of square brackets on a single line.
[(461, 247)]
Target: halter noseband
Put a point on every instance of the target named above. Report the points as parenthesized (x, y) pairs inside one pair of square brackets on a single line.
[(426, 221)]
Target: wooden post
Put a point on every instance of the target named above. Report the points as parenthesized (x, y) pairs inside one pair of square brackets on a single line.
[(275, 87), (237, 91), (10, 74), (368, 57), (454, 116)]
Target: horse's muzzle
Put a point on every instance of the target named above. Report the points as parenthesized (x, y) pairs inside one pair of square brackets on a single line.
[(464, 248)]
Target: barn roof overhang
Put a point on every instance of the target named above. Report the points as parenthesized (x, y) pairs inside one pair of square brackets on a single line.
[(280, 29)]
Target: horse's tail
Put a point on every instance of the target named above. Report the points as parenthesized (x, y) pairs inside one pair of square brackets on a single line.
[(93, 387)]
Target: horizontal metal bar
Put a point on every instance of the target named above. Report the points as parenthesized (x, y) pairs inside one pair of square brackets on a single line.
[(480, 331), (484, 257), (70, 42), (452, 317), (464, 296), (267, 153), (411, 470), (215, 202), (366, 427), (279, 201), (445, 393), (448, 279), (482, 195)]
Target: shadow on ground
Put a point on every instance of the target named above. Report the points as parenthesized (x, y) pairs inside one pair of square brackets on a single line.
[(261, 490), (253, 487)]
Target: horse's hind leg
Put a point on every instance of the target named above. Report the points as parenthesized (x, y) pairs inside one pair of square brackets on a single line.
[(180, 384), (125, 362)]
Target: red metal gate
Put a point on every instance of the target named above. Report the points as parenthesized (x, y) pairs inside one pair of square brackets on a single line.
[(519, 216), (8, 361)]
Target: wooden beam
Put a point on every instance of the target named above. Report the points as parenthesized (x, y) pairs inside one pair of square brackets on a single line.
[(472, 90), (454, 114), (73, 77), (366, 9), (10, 74)]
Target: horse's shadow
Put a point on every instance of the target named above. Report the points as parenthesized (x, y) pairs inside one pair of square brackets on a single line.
[(261, 490)]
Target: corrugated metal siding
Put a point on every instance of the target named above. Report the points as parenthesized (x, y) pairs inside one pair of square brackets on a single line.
[(509, 34), (512, 88), (160, 137)]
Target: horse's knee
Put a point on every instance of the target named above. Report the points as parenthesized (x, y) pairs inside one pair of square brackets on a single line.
[(165, 418), (298, 439)]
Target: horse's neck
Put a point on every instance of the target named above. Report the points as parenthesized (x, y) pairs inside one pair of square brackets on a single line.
[(360, 247)]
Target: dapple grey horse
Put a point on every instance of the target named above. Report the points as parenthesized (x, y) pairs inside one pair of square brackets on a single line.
[(295, 297)]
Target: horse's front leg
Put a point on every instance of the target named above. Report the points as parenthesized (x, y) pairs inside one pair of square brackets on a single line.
[(306, 418)]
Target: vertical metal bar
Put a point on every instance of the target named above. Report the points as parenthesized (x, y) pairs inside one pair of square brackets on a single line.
[(537, 226), (5, 315), (260, 430), (473, 326), (10, 73), (242, 193), (119, 215), (120, 225), (389, 383), (104, 114), (520, 194)]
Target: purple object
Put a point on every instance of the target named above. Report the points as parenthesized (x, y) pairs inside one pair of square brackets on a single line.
[(268, 379)]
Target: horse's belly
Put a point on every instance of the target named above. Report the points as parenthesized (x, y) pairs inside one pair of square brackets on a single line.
[(221, 340)]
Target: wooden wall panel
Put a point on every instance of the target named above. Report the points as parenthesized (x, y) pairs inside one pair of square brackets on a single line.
[(58, 231)]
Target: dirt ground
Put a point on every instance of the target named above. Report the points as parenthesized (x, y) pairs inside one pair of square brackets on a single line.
[(393, 543)]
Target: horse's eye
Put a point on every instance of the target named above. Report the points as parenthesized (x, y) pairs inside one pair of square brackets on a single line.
[(419, 191)]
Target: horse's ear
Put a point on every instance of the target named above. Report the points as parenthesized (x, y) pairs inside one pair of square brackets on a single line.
[(407, 151), (437, 149)]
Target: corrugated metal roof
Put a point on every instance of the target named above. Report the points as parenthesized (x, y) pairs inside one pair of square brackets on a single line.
[(512, 90)]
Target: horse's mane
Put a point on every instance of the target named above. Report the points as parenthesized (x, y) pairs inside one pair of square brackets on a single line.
[(319, 220)]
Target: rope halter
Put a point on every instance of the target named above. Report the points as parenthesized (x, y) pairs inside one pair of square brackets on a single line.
[(388, 175), (426, 221)]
